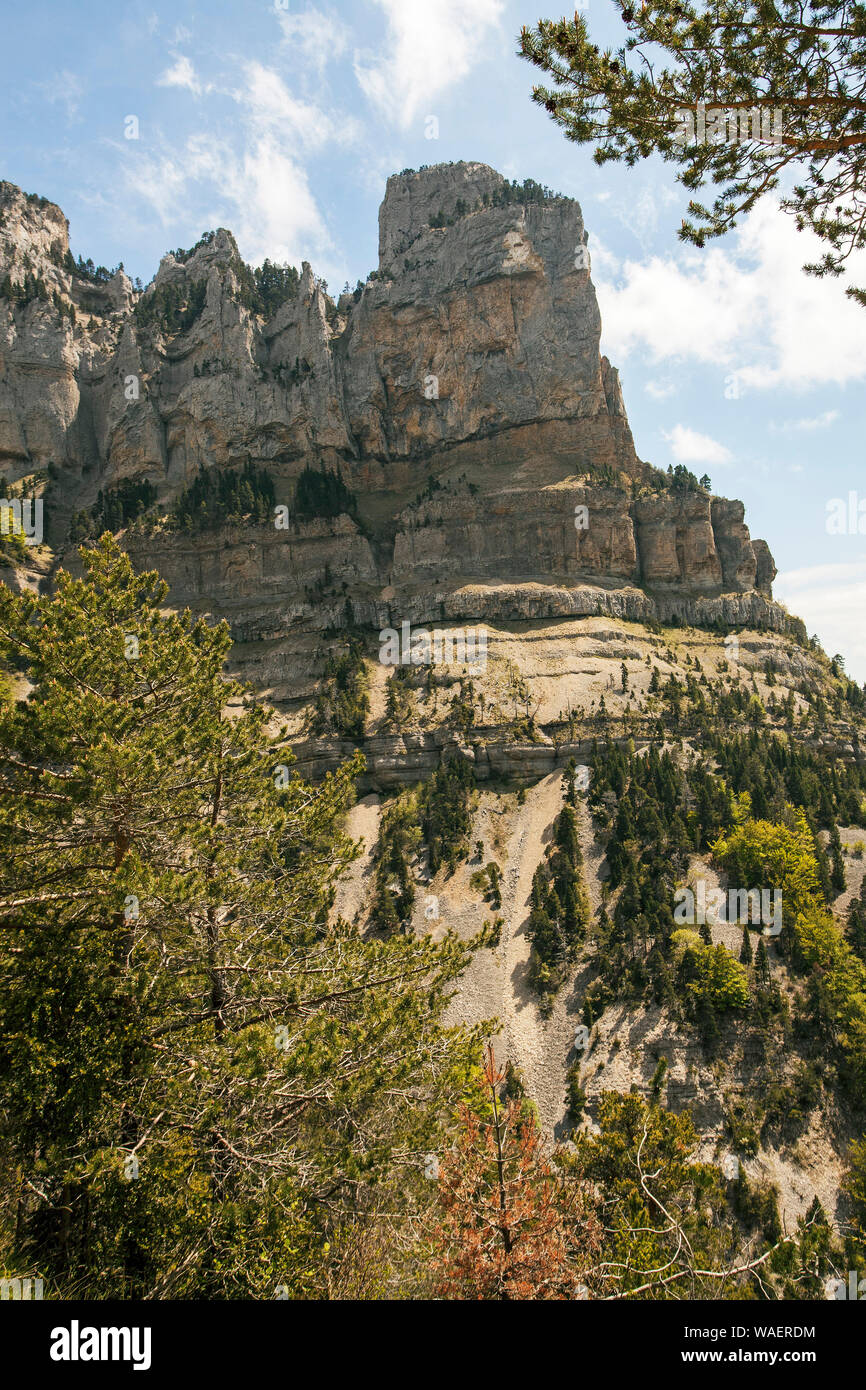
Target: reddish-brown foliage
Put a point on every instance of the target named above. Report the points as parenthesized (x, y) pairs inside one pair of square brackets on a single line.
[(509, 1227)]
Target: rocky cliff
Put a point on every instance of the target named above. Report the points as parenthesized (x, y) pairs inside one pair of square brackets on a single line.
[(459, 391)]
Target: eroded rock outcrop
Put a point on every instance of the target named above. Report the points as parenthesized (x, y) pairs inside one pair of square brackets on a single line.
[(460, 391)]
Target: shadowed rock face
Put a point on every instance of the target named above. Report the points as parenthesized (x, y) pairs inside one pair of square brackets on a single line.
[(461, 392)]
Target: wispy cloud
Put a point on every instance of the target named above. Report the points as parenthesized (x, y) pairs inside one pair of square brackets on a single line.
[(689, 446), (642, 212), (274, 112), (315, 37), (181, 74), (430, 45), (249, 174), (806, 424), (660, 390), (65, 88)]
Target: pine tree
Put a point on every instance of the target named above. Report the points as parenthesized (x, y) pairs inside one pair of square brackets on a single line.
[(822, 861), (568, 780), (857, 923), (762, 964), (837, 871), (763, 66), (172, 994), (508, 1228), (746, 948)]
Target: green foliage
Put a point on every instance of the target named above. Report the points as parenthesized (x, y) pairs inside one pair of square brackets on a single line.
[(172, 308), (574, 1093), (681, 479), (86, 270), (837, 873), (637, 1140), (784, 856), (780, 856), (857, 923), (658, 813), (322, 492), (343, 702), (399, 698), (24, 291), (854, 1186), (658, 1078), (182, 256), (757, 1206), (393, 888), (788, 1102), (264, 288), (709, 979), (444, 807), (837, 992), (13, 544), (488, 881), (803, 62), (218, 496), (560, 910), (504, 195), (172, 984), (114, 508)]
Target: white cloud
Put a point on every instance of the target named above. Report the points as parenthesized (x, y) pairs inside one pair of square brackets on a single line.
[(660, 390), (66, 88), (161, 181), (314, 37), (743, 304), (260, 193), (431, 44), (181, 74), (249, 177), (642, 212), (806, 424), (688, 446), (274, 113), (830, 599)]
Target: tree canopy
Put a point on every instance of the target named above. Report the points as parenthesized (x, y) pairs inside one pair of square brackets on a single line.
[(206, 1075), (788, 81)]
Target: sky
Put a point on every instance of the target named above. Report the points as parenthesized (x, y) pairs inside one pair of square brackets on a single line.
[(282, 121)]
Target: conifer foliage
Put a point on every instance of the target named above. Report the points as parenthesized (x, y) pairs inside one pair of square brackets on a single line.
[(204, 1074), (560, 904), (508, 1227)]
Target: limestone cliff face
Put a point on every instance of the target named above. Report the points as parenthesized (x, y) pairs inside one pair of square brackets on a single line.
[(481, 328), (43, 359), (460, 391)]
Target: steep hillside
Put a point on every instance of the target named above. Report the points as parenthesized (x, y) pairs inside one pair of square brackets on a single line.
[(757, 715), (420, 509)]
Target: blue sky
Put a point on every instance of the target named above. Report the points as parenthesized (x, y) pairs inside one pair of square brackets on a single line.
[(283, 121)]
